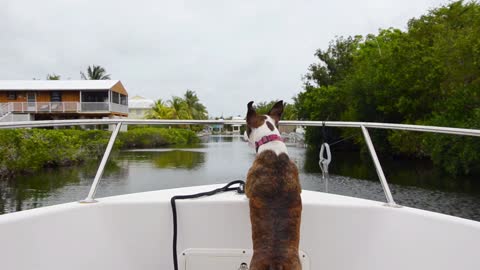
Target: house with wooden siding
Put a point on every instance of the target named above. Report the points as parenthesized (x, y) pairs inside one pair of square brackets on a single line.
[(67, 99)]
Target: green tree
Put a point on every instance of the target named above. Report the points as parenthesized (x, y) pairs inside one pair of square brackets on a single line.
[(429, 74), (95, 73), (324, 97), (160, 110), (335, 62), (196, 109), (180, 108), (53, 77)]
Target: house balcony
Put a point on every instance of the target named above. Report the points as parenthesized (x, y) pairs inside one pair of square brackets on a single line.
[(63, 107)]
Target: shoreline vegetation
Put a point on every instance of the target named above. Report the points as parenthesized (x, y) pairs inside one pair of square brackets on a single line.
[(26, 151), (427, 74)]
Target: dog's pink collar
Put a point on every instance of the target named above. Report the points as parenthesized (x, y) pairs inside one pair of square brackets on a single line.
[(267, 139)]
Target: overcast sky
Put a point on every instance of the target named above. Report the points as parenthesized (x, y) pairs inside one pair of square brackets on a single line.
[(229, 52)]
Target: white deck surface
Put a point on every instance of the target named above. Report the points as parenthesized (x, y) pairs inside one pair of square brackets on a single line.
[(135, 232)]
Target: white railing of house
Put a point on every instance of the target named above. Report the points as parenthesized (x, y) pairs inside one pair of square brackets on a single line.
[(362, 125), (94, 106), (6, 117), (64, 107), (3, 109), (118, 108)]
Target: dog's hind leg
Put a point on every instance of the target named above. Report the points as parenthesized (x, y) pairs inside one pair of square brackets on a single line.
[(289, 264), (275, 266), (259, 262)]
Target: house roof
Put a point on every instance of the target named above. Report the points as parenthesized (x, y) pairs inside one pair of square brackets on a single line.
[(44, 85), (139, 102)]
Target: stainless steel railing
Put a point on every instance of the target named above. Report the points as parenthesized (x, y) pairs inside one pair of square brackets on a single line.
[(101, 167), (362, 125)]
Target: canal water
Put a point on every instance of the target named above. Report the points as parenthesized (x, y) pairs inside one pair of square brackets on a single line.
[(221, 159)]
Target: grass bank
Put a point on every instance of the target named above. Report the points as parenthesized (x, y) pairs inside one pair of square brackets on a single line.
[(29, 150)]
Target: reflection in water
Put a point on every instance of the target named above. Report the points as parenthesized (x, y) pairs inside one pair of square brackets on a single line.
[(413, 183), (418, 173), (222, 159), (168, 159), (40, 189), (220, 138)]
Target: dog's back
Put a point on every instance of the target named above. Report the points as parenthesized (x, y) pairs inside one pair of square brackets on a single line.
[(274, 190)]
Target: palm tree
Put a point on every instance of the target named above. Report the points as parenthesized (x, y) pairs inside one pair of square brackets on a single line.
[(196, 109), (53, 77), (160, 111), (95, 73), (179, 107)]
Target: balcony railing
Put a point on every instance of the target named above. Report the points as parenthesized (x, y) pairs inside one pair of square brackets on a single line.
[(62, 107), (3, 109), (94, 106), (118, 108)]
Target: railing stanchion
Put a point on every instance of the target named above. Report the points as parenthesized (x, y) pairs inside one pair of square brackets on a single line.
[(101, 167), (378, 167)]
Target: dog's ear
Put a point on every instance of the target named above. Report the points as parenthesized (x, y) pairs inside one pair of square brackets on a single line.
[(251, 114), (276, 111)]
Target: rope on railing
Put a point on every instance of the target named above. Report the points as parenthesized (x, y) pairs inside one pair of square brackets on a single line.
[(324, 162)]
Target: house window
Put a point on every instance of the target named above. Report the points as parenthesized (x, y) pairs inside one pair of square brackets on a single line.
[(123, 99), (11, 95), (97, 96), (55, 96), (115, 97)]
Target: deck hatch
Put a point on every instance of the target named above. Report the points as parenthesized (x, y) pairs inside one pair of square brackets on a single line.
[(223, 259)]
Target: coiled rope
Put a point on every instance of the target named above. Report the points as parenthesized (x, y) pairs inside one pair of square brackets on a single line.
[(240, 189)]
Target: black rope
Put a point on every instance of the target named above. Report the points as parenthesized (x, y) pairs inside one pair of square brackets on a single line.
[(324, 132), (341, 140), (325, 136), (240, 189)]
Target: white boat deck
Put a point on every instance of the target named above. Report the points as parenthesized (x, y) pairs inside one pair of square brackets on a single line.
[(135, 232)]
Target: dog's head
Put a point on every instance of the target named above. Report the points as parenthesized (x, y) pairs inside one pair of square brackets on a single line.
[(259, 125)]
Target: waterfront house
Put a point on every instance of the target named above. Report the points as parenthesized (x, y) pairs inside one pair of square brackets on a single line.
[(62, 99), (236, 127), (138, 107)]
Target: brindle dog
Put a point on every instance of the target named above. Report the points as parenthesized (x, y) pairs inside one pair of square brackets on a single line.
[(274, 190)]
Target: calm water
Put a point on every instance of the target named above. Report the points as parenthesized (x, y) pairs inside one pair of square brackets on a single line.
[(223, 159)]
